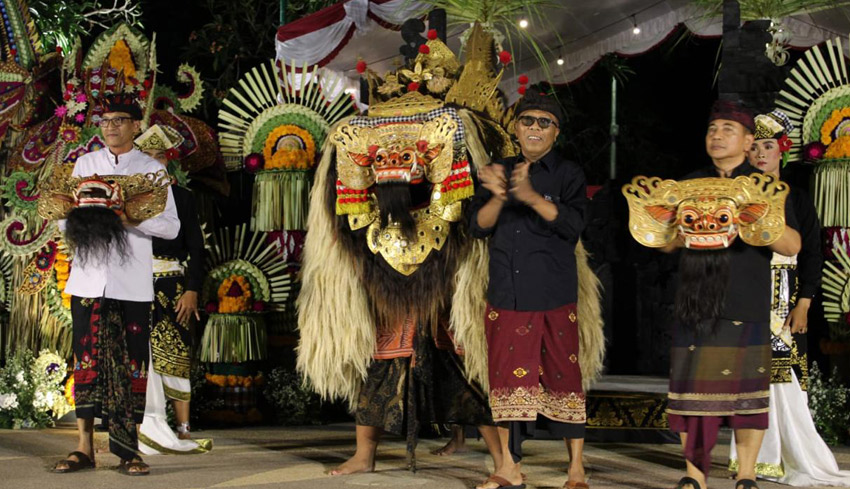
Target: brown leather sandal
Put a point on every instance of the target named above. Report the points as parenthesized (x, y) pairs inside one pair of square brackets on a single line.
[(83, 462), (134, 467)]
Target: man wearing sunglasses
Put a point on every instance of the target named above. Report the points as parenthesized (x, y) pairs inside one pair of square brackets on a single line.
[(111, 298), (532, 207)]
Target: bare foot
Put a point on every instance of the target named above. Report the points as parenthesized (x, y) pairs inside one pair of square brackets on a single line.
[(576, 474), (354, 465), (453, 446)]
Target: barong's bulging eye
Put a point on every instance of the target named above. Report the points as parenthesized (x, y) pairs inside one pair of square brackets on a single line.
[(724, 217), (689, 217), (407, 156), (381, 158)]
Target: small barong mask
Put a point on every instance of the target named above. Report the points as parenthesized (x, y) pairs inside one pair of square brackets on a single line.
[(139, 196), (709, 213)]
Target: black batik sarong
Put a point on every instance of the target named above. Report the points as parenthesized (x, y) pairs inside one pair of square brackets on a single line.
[(400, 394), (110, 366), (171, 342)]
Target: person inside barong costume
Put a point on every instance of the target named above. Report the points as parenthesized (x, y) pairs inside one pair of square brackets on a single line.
[(792, 451), (392, 284), (176, 291), (115, 201), (532, 209), (730, 218)]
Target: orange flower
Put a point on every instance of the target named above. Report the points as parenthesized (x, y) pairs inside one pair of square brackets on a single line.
[(840, 148)]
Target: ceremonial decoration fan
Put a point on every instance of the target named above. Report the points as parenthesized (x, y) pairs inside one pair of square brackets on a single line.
[(816, 98), (273, 124), (836, 289), (247, 277)]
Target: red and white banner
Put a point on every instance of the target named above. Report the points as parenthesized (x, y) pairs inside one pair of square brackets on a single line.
[(317, 38)]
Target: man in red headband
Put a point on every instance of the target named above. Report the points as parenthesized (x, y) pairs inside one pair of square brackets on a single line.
[(720, 358)]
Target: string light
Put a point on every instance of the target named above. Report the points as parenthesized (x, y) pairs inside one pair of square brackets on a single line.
[(523, 23), (560, 61), (636, 29)]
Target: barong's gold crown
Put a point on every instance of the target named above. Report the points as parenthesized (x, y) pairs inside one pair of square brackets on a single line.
[(709, 213)]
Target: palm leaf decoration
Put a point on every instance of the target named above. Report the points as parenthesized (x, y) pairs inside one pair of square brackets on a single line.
[(836, 287), (267, 106), (770, 9), (817, 89), (239, 336)]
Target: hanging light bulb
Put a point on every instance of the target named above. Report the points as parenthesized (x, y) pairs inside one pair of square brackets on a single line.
[(560, 61), (635, 29), (523, 23)]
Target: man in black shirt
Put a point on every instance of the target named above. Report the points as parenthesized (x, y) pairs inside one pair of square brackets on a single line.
[(720, 365), (532, 207)]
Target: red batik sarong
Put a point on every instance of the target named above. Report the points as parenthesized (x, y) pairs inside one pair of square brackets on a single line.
[(533, 365)]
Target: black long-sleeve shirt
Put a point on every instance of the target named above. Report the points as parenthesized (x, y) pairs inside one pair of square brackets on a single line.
[(810, 258), (748, 286), (532, 261), (189, 243)]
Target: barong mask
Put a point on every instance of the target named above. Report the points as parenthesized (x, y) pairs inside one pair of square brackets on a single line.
[(139, 196), (401, 179), (709, 213)]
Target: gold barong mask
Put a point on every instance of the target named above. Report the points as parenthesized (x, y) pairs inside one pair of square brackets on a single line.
[(139, 196), (392, 151), (395, 152), (709, 213)]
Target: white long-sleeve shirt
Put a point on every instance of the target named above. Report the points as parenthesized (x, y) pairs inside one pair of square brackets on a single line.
[(129, 280)]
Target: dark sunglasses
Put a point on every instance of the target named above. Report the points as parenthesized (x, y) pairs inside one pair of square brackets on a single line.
[(543, 122)]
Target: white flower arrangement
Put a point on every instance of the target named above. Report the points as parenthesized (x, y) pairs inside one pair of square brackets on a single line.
[(31, 390)]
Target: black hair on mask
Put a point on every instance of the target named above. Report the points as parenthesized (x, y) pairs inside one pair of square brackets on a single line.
[(93, 231)]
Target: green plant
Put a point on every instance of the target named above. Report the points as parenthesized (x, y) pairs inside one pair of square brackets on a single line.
[(60, 23), (31, 392), (239, 37), (828, 404), (293, 400)]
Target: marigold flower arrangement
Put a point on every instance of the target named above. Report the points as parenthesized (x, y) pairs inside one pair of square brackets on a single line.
[(834, 121), (300, 154), (840, 148), (234, 295)]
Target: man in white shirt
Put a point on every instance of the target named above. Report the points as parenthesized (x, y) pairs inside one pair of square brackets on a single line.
[(111, 296)]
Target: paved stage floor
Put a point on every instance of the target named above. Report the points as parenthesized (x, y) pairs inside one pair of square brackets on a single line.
[(298, 458)]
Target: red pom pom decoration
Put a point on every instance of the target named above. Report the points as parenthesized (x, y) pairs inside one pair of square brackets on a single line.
[(432, 34), (521, 90), (13, 52), (147, 83), (59, 49), (504, 57), (412, 87), (172, 153), (254, 162), (258, 306), (424, 49), (523, 79), (143, 94), (211, 307), (814, 151), (361, 67)]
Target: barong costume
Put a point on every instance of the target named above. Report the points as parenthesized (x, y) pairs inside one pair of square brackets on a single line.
[(389, 268)]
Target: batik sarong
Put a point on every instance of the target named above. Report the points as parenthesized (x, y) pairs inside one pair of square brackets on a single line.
[(718, 378), (171, 342), (110, 366), (534, 371)]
